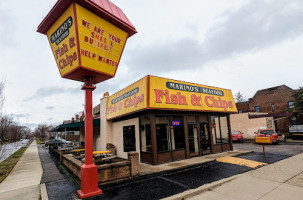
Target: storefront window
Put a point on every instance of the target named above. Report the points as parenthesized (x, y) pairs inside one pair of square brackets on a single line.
[(177, 133), (129, 138), (162, 132), (145, 134), (215, 130), (224, 129), (220, 130), (193, 139), (170, 133)]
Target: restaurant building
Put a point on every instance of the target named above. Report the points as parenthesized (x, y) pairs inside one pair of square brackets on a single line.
[(166, 120)]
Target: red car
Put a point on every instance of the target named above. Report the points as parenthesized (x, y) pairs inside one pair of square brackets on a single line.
[(274, 138), (237, 136)]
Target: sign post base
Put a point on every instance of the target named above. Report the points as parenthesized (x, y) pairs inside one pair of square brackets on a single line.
[(89, 181)]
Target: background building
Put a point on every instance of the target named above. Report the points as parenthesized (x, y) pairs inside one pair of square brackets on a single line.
[(273, 102)]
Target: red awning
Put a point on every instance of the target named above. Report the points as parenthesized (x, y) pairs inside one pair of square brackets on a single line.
[(103, 8)]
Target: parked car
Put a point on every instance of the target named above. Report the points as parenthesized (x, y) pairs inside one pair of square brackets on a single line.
[(56, 142), (274, 138), (237, 136)]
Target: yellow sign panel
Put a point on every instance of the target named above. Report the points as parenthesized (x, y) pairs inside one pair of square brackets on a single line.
[(263, 140), (82, 40), (171, 94), (63, 41), (101, 43), (128, 100)]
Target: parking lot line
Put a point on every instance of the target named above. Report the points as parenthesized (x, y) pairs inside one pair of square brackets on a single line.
[(241, 161)]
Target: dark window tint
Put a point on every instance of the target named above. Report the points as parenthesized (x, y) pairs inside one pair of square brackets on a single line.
[(129, 138), (145, 134), (177, 134), (267, 132)]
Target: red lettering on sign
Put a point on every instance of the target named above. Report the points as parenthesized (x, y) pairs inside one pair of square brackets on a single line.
[(172, 99), (195, 100), (133, 101), (218, 103), (85, 23), (99, 30), (114, 38)]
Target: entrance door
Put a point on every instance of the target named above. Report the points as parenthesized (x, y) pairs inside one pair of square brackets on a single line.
[(204, 138), (193, 139)]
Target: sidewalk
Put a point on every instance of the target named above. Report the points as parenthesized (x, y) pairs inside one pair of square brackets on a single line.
[(281, 180), (24, 180)]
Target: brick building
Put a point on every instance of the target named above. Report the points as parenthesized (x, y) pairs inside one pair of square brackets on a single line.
[(276, 102)]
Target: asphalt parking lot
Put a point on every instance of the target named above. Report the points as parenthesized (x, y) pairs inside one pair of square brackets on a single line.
[(283, 148), (173, 183)]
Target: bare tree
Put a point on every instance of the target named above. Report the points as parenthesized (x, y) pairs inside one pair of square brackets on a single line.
[(43, 131), (5, 126), (2, 97), (239, 97)]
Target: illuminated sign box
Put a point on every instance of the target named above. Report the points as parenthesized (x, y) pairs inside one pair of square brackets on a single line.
[(153, 92), (175, 123), (86, 40)]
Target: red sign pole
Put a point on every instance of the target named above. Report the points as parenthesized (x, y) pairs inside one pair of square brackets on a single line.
[(89, 171)]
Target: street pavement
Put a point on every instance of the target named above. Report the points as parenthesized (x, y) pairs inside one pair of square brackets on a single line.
[(24, 180), (7, 149), (280, 180), (290, 148)]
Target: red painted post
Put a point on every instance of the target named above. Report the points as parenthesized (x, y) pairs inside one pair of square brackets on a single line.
[(263, 150), (89, 171)]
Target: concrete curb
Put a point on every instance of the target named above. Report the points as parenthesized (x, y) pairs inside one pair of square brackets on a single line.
[(203, 188), (43, 192)]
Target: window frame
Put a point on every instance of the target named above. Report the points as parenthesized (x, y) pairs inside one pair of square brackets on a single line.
[(257, 110), (127, 133), (292, 104), (273, 108), (146, 135), (216, 139), (169, 132)]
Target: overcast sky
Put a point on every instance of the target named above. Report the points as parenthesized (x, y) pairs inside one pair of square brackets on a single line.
[(242, 45)]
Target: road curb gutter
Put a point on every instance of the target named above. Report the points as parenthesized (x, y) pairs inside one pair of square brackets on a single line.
[(43, 192), (203, 188)]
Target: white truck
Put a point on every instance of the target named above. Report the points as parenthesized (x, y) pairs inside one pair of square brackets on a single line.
[(296, 131)]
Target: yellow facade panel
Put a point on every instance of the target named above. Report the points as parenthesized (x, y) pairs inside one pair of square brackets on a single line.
[(128, 100), (179, 95)]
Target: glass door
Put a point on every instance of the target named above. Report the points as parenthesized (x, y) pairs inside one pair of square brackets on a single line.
[(193, 139), (204, 138)]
